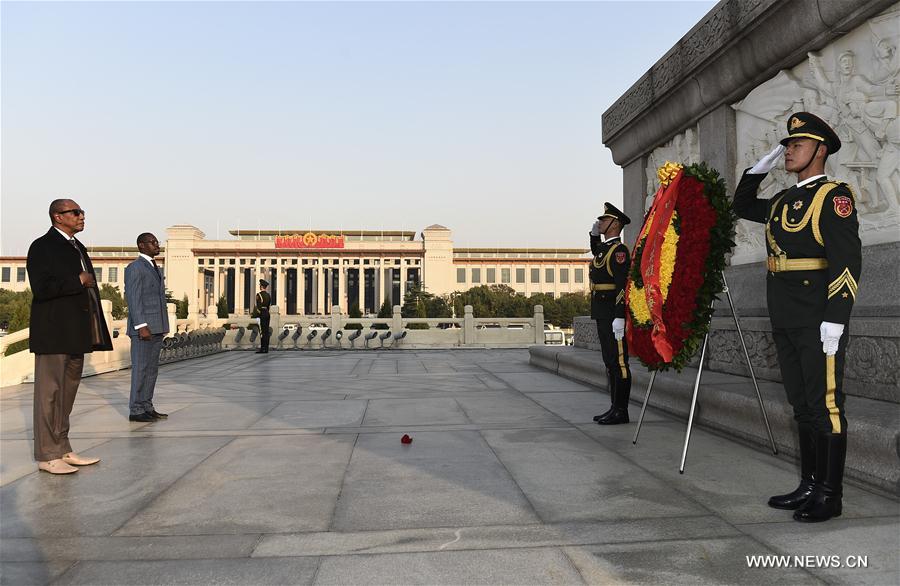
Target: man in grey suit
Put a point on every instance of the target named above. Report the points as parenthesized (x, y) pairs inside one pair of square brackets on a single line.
[(148, 323)]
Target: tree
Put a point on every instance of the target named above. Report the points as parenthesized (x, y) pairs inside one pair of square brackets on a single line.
[(354, 313), (111, 293), (222, 307), (15, 311), (181, 307), (386, 309), (414, 305)]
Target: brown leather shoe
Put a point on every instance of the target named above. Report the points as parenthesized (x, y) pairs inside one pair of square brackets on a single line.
[(57, 466), (75, 460)]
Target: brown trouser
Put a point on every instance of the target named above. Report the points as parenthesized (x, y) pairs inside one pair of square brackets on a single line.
[(56, 378)]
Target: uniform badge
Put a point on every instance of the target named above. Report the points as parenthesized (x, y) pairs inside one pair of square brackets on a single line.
[(797, 204), (843, 206), (620, 257)]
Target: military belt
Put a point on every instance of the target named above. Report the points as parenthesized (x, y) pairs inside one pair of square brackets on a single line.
[(603, 287), (781, 263)]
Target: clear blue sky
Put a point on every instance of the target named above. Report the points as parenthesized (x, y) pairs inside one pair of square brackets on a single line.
[(484, 117)]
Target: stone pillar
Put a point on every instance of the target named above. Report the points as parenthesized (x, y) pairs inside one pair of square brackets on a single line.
[(342, 288), (538, 324), (397, 321), (336, 323), (378, 273), (217, 286), (301, 289), (320, 290), (634, 192), (173, 318), (403, 277), (361, 288), (468, 325), (718, 143), (282, 289), (239, 290)]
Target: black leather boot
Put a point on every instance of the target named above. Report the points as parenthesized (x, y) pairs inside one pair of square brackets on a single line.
[(619, 413), (825, 500), (611, 382), (794, 500)]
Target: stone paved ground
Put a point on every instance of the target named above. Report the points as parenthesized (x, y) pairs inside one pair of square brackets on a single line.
[(288, 468)]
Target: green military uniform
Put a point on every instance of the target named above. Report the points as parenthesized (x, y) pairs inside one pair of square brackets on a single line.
[(608, 274), (813, 269), (263, 303)]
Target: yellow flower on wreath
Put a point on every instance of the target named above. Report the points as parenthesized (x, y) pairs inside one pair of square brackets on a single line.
[(637, 296)]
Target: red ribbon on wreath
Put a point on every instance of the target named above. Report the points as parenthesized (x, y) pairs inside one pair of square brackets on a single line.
[(663, 208)]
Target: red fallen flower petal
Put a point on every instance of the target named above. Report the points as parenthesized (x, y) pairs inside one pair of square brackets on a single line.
[(405, 439)]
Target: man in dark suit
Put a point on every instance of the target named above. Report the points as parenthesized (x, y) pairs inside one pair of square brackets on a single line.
[(814, 264), (148, 323), (263, 303), (66, 323), (609, 273)]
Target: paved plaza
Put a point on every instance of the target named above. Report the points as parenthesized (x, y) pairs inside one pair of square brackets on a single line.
[(287, 468)]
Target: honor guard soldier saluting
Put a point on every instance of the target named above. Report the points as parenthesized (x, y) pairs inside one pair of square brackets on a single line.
[(814, 261), (609, 272), (263, 302)]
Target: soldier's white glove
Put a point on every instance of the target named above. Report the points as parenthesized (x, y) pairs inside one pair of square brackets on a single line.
[(830, 334), (595, 229), (618, 328), (765, 164)]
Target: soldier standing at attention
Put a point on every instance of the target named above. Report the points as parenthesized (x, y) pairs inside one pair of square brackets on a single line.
[(814, 262), (609, 272), (263, 302)]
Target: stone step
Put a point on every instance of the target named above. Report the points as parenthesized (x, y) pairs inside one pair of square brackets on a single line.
[(728, 404)]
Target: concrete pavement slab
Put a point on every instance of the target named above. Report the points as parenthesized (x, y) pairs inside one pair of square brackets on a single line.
[(169, 547), (567, 476), (493, 536), (293, 414), (705, 561), (534, 566), (731, 479), (239, 572), (413, 411), (27, 573), (581, 407), (858, 551), (253, 485), (442, 479), (98, 499)]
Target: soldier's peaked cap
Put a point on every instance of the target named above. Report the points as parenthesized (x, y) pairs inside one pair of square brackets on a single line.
[(263, 283), (806, 125), (611, 211)]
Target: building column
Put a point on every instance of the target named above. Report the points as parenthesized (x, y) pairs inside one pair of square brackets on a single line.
[(301, 289), (377, 283), (403, 277), (342, 287), (217, 286), (361, 288), (282, 289), (239, 289), (320, 290)]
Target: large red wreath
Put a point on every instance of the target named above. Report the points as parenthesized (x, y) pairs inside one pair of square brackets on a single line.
[(705, 226)]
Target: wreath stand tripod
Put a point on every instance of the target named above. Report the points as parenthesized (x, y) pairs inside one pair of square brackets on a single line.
[(690, 424)]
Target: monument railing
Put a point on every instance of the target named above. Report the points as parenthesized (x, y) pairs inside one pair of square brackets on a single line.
[(200, 336)]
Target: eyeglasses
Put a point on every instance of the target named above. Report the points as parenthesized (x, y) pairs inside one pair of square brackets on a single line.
[(75, 211)]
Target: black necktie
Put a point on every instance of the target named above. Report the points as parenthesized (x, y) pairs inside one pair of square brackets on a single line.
[(80, 255), (156, 268)]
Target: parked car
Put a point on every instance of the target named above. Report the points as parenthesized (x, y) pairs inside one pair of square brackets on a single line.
[(553, 336)]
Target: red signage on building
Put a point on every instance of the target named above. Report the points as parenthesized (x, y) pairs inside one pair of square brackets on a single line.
[(309, 240)]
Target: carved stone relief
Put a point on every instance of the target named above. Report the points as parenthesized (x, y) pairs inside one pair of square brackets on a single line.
[(684, 148), (853, 84)]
